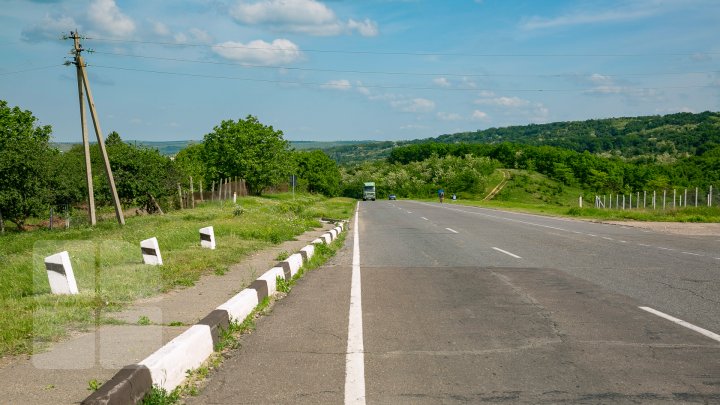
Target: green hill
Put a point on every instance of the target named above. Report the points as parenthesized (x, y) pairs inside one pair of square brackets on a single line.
[(669, 136)]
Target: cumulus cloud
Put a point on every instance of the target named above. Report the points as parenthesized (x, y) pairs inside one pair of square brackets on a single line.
[(503, 101), (415, 105), (446, 116), (200, 36), (342, 84), (366, 28), (49, 28), (259, 51), (106, 16), (160, 29), (441, 81), (309, 17), (478, 115)]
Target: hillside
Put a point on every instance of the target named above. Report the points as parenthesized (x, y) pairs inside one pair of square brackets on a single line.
[(670, 136)]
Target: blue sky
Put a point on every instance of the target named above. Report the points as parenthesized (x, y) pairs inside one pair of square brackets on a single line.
[(357, 70)]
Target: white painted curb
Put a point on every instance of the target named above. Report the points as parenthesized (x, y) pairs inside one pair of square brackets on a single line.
[(270, 277), (309, 251), (327, 238), (334, 233), (317, 241), (295, 261), (241, 305), (188, 351)]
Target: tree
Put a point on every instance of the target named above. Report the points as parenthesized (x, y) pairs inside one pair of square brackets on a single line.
[(191, 161), (247, 149), (318, 171), (25, 154)]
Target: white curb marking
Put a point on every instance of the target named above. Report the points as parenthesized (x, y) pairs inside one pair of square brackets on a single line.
[(507, 253), (452, 230), (705, 332), (355, 356)]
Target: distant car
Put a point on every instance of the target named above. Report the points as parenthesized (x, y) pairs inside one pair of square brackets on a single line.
[(392, 197)]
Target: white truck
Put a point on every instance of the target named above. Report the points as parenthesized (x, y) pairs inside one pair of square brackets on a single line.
[(369, 191)]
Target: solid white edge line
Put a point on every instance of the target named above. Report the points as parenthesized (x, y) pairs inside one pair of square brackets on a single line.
[(705, 332), (355, 357), (507, 253), (452, 230)]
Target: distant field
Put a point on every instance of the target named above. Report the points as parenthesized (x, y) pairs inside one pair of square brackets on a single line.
[(170, 148)]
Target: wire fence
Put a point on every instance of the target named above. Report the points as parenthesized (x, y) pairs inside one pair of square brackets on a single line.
[(666, 199)]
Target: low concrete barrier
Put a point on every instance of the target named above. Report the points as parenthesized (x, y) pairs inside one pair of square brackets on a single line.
[(151, 251), (60, 274), (207, 237)]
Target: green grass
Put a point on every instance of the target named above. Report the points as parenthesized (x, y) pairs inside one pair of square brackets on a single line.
[(108, 265)]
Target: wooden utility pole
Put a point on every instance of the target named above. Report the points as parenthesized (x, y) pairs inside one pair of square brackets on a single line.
[(83, 83)]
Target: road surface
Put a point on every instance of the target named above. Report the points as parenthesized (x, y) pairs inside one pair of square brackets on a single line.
[(456, 304)]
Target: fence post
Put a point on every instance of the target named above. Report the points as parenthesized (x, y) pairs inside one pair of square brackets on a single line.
[(710, 197), (2, 223), (580, 201), (202, 197), (623, 202), (51, 217), (192, 194), (674, 192), (664, 197), (212, 192), (644, 199), (180, 195), (630, 200), (696, 196)]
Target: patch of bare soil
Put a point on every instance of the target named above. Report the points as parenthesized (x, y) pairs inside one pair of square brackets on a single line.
[(676, 228)]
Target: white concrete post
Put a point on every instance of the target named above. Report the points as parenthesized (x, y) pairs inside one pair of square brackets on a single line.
[(580, 201), (207, 237), (234, 197), (151, 252), (60, 274)]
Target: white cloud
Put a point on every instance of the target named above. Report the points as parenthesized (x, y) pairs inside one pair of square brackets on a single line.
[(415, 105), (627, 11), (50, 28), (478, 115), (161, 29), (259, 52), (342, 84), (106, 16), (446, 116), (309, 17), (503, 101), (487, 93), (365, 28), (201, 36), (441, 81)]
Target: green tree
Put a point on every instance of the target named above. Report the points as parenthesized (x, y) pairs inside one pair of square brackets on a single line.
[(191, 162), (250, 150), (25, 157), (318, 171)]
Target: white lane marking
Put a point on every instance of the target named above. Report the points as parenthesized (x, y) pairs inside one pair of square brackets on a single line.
[(605, 237), (691, 253), (452, 230), (623, 241), (409, 212), (355, 356), (688, 325), (593, 235), (644, 244), (424, 218), (507, 253)]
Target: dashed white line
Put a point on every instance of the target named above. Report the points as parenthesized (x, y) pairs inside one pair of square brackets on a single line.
[(355, 356), (607, 238), (452, 230), (424, 218), (705, 332), (507, 253), (691, 253)]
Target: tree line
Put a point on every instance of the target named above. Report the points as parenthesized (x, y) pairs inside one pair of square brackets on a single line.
[(34, 176), (584, 169)]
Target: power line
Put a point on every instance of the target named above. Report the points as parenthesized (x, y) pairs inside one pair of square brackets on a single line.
[(401, 53), (386, 87), (396, 73)]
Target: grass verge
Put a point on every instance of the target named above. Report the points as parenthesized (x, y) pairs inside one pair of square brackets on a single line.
[(108, 265)]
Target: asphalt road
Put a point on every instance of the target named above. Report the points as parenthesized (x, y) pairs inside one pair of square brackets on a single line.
[(462, 304)]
